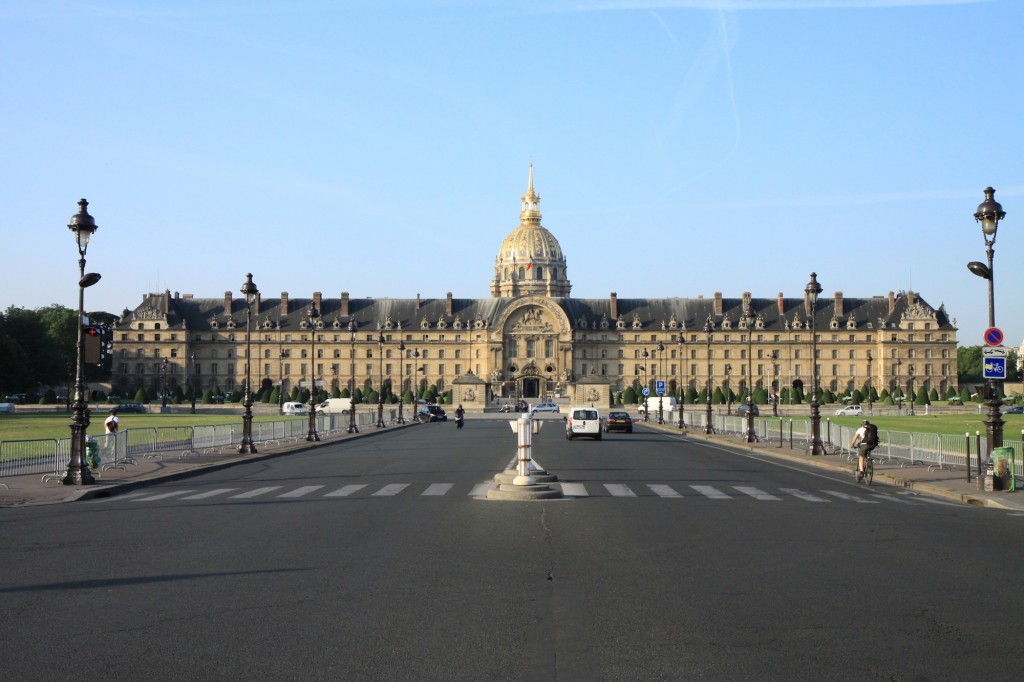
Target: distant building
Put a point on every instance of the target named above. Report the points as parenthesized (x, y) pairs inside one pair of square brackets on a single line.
[(532, 338)]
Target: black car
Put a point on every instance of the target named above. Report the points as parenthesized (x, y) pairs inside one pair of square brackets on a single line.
[(1012, 409), (618, 421), (742, 409), (431, 413)]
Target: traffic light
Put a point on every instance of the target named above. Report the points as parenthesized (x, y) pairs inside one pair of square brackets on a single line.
[(92, 335)]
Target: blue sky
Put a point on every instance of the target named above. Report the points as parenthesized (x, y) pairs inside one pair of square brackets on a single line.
[(680, 147)]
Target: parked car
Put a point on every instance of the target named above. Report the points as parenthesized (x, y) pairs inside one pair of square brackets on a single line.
[(545, 407), (294, 408), (618, 421), (130, 407), (431, 413), (742, 409), (1012, 409), (850, 411), (583, 421)]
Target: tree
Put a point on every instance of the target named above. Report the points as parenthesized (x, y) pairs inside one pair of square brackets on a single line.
[(968, 361), (691, 395), (140, 396), (718, 397), (275, 396), (629, 396)]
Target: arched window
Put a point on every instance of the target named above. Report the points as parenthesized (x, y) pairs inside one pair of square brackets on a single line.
[(522, 273), (540, 272)]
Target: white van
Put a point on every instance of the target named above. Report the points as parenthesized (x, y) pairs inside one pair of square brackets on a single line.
[(583, 421), (335, 406), (294, 408), (668, 404)]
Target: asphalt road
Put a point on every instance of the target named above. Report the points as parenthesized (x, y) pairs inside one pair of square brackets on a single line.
[(377, 559)]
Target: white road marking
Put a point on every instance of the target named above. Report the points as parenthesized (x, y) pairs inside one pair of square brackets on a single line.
[(480, 489), (663, 490), (755, 493), (711, 491), (806, 497), (164, 496), (437, 489), (345, 491), (848, 497), (619, 490), (299, 492), (574, 490), (391, 490), (209, 493), (254, 493)]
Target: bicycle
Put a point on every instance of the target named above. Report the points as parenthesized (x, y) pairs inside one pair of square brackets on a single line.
[(869, 470)]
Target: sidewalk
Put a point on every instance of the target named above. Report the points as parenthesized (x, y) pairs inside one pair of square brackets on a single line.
[(950, 484), (29, 489)]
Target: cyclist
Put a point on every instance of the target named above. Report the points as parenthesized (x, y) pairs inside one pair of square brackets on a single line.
[(865, 440)]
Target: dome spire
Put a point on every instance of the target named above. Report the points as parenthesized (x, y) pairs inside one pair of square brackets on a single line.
[(531, 204)]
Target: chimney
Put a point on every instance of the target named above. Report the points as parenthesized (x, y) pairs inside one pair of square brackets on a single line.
[(176, 295), (448, 305), (782, 305), (318, 301), (892, 302), (807, 304), (838, 303), (284, 302), (344, 304), (417, 301), (911, 298), (227, 302), (746, 299), (718, 304), (256, 307), (614, 306)]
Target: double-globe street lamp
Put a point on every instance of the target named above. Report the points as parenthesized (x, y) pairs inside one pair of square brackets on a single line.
[(661, 353), (195, 378), (812, 290), (870, 405), (989, 213), (682, 387), (312, 317), (352, 428), (748, 321), (401, 384), (380, 385), (709, 329), (83, 226), (249, 291)]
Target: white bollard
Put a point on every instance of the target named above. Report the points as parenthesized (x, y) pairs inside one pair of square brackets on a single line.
[(525, 432)]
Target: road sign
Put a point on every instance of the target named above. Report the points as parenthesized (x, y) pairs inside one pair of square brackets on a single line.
[(659, 387), (647, 391), (994, 368), (994, 352), (993, 336)]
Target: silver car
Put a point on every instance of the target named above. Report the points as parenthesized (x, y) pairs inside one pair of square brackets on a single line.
[(850, 411)]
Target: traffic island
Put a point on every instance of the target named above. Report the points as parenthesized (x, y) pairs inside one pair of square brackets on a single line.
[(528, 481)]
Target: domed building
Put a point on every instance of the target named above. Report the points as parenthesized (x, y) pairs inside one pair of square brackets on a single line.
[(532, 340), (530, 260)]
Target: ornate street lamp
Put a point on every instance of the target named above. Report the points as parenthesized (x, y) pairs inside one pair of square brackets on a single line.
[(250, 292), (661, 352), (870, 405), (728, 388), (163, 385), (83, 226), (777, 384), (416, 388), (812, 290), (644, 369), (194, 378), (380, 386), (748, 321), (282, 354), (989, 213), (682, 387), (910, 388), (401, 376), (709, 329), (312, 316), (899, 388), (352, 428)]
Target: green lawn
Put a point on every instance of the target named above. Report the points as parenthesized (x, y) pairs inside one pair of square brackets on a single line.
[(958, 424), (50, 425)]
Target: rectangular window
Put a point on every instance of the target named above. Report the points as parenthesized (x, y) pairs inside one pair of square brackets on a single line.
[(458, 369), (213, 369), (440, 370), (549, 348), (604, 370)]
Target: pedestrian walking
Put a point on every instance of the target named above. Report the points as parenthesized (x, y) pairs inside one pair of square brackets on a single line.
[(459, 416)]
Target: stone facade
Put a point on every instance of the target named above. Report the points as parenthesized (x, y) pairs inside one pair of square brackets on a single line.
[(531, 339)]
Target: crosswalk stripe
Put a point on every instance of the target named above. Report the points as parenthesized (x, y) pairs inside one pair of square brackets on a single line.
[(437, 489), (480, 489), (164, 496), (890, 498), (663, 490), (345, 491), (711, 491), (254, 493), (209, 493), (391, 490), (299, 492), (574, 490), (619, 490), (806, 497), (755, 493), (126, 496), (848, 497)]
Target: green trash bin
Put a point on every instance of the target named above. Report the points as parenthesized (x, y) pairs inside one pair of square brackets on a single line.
[(1002, 465)]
